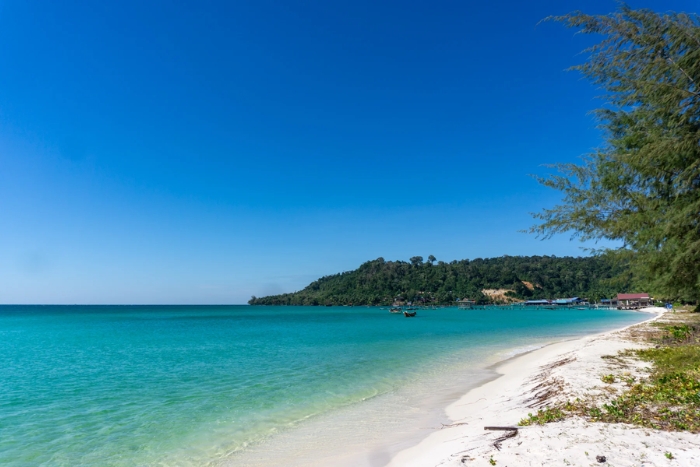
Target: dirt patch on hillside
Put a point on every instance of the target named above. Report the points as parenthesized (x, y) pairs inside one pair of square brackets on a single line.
[(499, 295)]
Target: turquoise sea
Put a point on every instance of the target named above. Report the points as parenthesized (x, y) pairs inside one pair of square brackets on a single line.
[(239, 385)]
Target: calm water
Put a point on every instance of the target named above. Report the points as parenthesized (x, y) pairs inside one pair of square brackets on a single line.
[(197, 385)]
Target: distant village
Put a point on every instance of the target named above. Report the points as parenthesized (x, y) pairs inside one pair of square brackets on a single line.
[(623, 301)]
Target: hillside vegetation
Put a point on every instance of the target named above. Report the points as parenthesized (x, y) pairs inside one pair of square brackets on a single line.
[(380, 282)]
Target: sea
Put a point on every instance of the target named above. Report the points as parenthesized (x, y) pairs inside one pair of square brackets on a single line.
[(250, 386)]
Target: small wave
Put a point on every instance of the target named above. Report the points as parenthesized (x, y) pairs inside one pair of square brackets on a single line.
[(520, 350)]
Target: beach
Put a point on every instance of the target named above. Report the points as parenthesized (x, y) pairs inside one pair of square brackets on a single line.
[(555, 373)]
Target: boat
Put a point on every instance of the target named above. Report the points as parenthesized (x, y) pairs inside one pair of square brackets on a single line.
[(409, 314), (395, 309)]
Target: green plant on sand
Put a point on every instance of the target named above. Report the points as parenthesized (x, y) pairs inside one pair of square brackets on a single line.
[(668, 399), (546, 415)]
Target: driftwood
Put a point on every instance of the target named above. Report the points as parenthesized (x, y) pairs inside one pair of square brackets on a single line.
[(497, 443), (502, 428)]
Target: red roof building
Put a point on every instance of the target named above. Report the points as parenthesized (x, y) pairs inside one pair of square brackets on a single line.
[(632, 296), (633, 300)]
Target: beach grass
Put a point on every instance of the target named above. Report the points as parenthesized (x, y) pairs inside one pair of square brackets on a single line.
[(667, 399)]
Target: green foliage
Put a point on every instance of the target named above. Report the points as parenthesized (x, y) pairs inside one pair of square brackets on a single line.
[(668, 399), (643, 186), (669, 360), (546, 415), (608, 379), (668, 455), (492, 461), (680, 333), (380, 282)]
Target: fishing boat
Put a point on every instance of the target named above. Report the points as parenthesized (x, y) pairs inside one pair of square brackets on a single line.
[(409, 314)]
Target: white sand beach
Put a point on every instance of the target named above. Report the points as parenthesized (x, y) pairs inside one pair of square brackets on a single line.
[(558, 372)]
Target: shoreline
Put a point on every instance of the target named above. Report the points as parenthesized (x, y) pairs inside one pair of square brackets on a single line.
[(372, 433), (500, 363), (507, 398)]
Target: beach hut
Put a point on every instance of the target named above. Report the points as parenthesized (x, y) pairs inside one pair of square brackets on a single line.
[(567, 301), (537, 302), (627, 301)]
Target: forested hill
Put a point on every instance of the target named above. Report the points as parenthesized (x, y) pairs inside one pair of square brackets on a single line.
[(380, 282)]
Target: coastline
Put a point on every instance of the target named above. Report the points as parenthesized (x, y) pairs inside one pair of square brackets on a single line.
[(373, 432), (573, 366)]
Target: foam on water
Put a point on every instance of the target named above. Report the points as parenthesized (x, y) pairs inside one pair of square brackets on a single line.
[(510, 353), (195, 386)]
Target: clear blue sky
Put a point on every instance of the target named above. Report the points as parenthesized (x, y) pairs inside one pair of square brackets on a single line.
[(203, 152)]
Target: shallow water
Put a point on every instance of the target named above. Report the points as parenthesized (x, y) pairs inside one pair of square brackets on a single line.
[(238, 385)]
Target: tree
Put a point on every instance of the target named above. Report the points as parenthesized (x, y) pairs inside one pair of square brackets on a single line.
[(432, 259), (417, 260), (643, 186)]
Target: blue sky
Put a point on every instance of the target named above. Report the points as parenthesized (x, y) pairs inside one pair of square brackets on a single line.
[(204, 152)]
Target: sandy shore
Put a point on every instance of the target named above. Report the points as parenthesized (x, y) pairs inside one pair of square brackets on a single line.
[(558, 372)]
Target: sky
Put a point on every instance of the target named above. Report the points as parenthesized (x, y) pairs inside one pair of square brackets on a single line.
[(206, 151)]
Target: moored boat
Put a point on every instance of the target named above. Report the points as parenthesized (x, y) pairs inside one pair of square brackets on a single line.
[(395, 309), (409, 314)]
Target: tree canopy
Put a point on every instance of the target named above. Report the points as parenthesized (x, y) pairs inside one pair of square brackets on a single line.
[(642, 187), (380, 282)]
